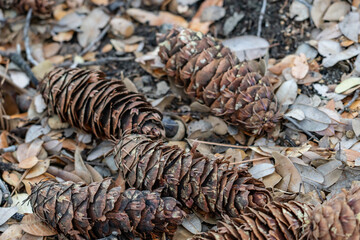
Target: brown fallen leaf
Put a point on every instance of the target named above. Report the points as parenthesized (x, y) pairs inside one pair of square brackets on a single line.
[(196, 23), (284, 63), (14, 232), (286, 169), (28, 162), (159, 19), (33, 225), (300, 67), (40, 168)]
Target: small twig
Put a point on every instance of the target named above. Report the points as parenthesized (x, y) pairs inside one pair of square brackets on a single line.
[(10, 166), (97, 39), (301, 128), (261, 17), (5, 191), (354, 98), (99, 61), (8, 149), (26, 39), (20, 62)]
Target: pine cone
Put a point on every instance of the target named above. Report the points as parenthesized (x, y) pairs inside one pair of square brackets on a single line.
[(275, 221), (210, 185), (39, 7), (106, 108), (336, 219), (99, 209), (212, 74)]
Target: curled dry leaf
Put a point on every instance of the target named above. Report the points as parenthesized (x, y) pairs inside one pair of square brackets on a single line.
[(33, 225), (39, 169), (285, 168), (350, 26), (247, 47), (28, 162), (301, 67), (156, 19), (347, 84), (336, 11)]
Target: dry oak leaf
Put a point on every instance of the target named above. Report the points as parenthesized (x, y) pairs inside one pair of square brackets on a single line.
[(33, 225), (159, 19)]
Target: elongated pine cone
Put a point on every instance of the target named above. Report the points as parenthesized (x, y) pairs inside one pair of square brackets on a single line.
[(94, 104), (210, 185), (336, 219), (99, 209), (39, 7), (212, 74), (275, 221)]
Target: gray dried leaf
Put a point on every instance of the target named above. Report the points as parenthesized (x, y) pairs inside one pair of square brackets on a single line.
[(317, 11), (247, 47), (329, 167), (350, 26), (70, 21), (232, 22), (299, 11), (309, 173), (330, 32), (262, 170), (6, 213), (200, 125), (35, 131), (296, 114), (315, 120), (287, 92), (336, 11), (192, 223), (328, 48), (308, 50), (100, 150), (352, 51), (20, 79), (212, 13), (356, 126)]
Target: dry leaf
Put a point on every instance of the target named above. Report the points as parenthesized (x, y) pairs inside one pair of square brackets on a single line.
[(28, 162), (271, 180), (192, 223), (63, 36), (287, 92), (80, 168), (299, 11), (301, 67), (336, 11), (21, 200), (91, 25), (262, 170), (350, 26), (6, 213), (33, 225), (286, 62), (317, 11), (14, 232), (196, 24), (286, 169), (347, 84), (247, 47), (39, 169), (156, 19)]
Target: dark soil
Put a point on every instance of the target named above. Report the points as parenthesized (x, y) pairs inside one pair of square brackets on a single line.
[(282, 32)]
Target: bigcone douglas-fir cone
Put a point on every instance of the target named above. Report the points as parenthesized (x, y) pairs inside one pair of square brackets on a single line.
[(209, 185), (212, 74), (39, 7), (99, 209), (336, 219), (87, 100)]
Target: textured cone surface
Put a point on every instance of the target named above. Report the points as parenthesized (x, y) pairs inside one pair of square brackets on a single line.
[(212, 74), (336, 219), (40, 7), (339, 218), (88, 101), (275, 221), (210, 185), (99, 209)]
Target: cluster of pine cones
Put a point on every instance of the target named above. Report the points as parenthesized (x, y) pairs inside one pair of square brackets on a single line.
[(163, 182)]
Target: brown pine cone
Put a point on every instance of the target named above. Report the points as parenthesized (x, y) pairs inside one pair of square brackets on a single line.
[(275, 221), (99, 209), (212, 74), (106, 108), (210, 185), (336, 219), (39, 7)]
